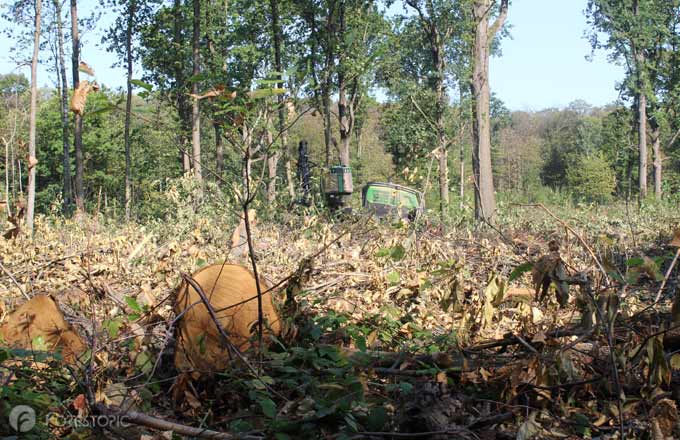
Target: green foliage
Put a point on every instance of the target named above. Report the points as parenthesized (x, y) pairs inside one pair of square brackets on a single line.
[(592, 179)]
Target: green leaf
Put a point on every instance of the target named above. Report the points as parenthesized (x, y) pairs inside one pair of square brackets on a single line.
[(397, 252), (132, 303), (377, 419), (519, 271), (268, 407), (143, 362), (393, 277), (39, 344), (142, 84), (360, 343), (383, 252), (634, 262), (113, 327)]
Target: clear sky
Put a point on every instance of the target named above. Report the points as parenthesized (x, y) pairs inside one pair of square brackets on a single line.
[(543, 65)]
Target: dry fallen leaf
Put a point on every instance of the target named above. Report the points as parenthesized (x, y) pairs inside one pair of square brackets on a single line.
[(676, 238)]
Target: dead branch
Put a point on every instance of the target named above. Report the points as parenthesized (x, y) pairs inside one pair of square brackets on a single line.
[(142, 419)]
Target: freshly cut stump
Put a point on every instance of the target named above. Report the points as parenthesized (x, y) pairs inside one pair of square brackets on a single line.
[(41, 318), (232, 294)]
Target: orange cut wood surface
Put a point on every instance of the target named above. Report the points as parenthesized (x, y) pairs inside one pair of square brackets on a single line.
[(41, 318), (232, 294)]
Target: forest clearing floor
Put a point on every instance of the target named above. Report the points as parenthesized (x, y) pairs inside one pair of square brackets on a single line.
[(399, 331)]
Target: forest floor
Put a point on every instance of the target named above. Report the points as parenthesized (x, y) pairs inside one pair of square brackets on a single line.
[(398, 331)]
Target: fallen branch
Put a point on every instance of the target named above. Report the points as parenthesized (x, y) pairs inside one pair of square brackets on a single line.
[(665, 278), (514, 340), (141, 419), (11, 277)]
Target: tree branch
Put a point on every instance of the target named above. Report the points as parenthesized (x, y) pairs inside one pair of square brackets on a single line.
[(500, 21)]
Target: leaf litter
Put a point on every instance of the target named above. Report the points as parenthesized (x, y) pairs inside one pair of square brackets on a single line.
[(393, 329)]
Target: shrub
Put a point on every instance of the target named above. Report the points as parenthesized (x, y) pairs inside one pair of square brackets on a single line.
[(592, 179)]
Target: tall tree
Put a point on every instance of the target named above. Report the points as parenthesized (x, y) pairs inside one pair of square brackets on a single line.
[(61, 63), (132, 10), (485, 198), (78, 119), (32, 161), (633, 29), (439, 20), (195, 107), (273, 157)]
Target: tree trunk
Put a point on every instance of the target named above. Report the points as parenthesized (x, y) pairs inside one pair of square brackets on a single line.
[(128, 108), (8, 203), (658, 162), (66, 190), (272, 165), (642, 144), (219, 150), (326, 101), (32, 161), (272, 159), (78, 120), (182, 105), (437, 49), (485, 198), (78, 128), (195, 108)]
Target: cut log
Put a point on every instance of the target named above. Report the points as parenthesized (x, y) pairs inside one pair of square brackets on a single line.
[(232, 294), (39, 324)]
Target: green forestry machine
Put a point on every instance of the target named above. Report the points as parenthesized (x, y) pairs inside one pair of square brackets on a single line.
[(382, 200)]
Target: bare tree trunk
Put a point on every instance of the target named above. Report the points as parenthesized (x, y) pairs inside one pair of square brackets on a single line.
[(437, 56), (485, 198), (642, 143), (78, 129), (195, 109), (272, 165), (658, 162), (326, 101), (128, 108), (66, 190), (272, 159), (182, 105), (639, 57), (32, 161), (8, 202), (219, 150)]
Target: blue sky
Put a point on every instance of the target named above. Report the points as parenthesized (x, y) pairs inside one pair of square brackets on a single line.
[(543, 64)]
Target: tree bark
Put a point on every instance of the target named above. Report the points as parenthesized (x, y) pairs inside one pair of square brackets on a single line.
[(78, 128), (485, 198), (8, 202), (30, 211), (639, 58), (642, 144), (437, 48), (345, 107), (182, 105), (128, 108), (658, 162), (219, 149), (195, 108), (66, 190), (272, 165), (272, 159)]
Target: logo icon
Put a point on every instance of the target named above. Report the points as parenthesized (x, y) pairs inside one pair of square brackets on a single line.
[(22, 418)]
